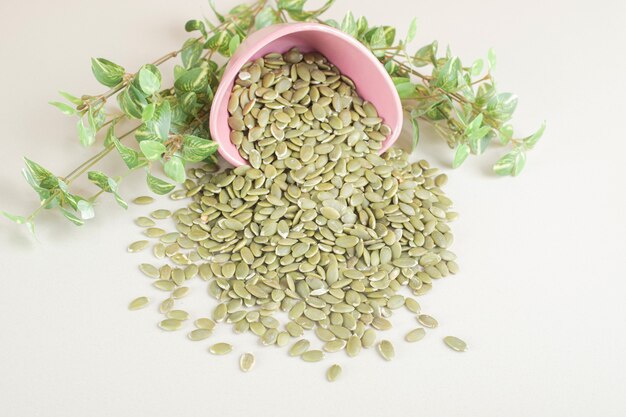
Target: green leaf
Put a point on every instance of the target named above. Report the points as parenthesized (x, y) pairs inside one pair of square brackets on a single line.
[(477, 67), (86, 209), (128, 105), (149, 82), (348, 24), (502, 106), (266, 17), (416, 133), (188, 102), (152, 149), (14, 218), (72, 99), (71, 217), (462, 151), (106, 72), (148, 112), (66, 109), (192, 25), (511, 163), (120, 201), (195, 79), (161, 123), (39, 175), (191, 53), (412, 31), (100, 179), (217, 41), (217, 14), (233, 44), (426, 55), (491, 59), (531, 141), (86, 135), (175, 169), (130, 156), (406, 90), (291, 5), (157, 185), (196, 149)]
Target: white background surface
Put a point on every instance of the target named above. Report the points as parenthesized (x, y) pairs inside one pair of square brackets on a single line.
[(540, 298)]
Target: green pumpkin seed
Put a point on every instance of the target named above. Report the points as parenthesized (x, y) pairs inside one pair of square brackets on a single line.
[(138, 303), (160, 214), (333, 373), (204, 323), (427, 321), (144, 222), (178, 315), (164, 285), (299, 347), (386, 350), (149, 270), (170, 324), (415, 335), (312, 355), (221, 348), (143, 200), (368, 339), (246, 362), (353, 346), (199, 334), (455, 343), (137, 246)]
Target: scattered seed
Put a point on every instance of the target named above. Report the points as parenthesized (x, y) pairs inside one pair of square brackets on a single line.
[(427, 321), (137, 246), (312, 356), (199, 334), (143, 200), (170, 324), (246, 362), (415, 335), (221, 348), (386, 350), (138, 303), (333, 373), (455, 343)]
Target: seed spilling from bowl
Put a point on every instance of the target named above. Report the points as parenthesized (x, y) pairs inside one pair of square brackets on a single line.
[(318, 226)]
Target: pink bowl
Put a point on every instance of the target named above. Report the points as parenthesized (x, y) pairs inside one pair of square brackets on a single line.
[(349, 55)]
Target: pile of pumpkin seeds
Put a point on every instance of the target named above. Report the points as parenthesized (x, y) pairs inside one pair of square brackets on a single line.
[(318, 226)]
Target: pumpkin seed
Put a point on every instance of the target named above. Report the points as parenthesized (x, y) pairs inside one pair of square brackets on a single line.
[(246, 362), (149, 270), (415, 335), (170, 324), (199, 334), (299, 347), (137, 246), (427, 321), (455, 343), (204, 323), (312, 355), (144, 222), (353, 348), (386, 350), (143, 200), (160, 214), (138, 303), (221, 348), (333, 373)]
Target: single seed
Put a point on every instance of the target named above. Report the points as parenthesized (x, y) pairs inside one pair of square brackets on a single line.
[(138, 303), (199, 334), (204, 323), (312, 355), (415, 335), (143, 200), (427, 321), (144, 222), (455, 343), (170, 324), (386, 350), (160, 214), (149, 270), (354, 346), (246, 362), (221, 348), (333, 373), (299, 347), (137, 246)]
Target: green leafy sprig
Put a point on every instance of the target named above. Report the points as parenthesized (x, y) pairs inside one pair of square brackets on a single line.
[(171, 122)]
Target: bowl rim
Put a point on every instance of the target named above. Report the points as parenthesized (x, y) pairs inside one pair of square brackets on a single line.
[(270, 34)]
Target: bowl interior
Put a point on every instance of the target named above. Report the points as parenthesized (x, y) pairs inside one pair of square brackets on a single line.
[(351, 58)]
